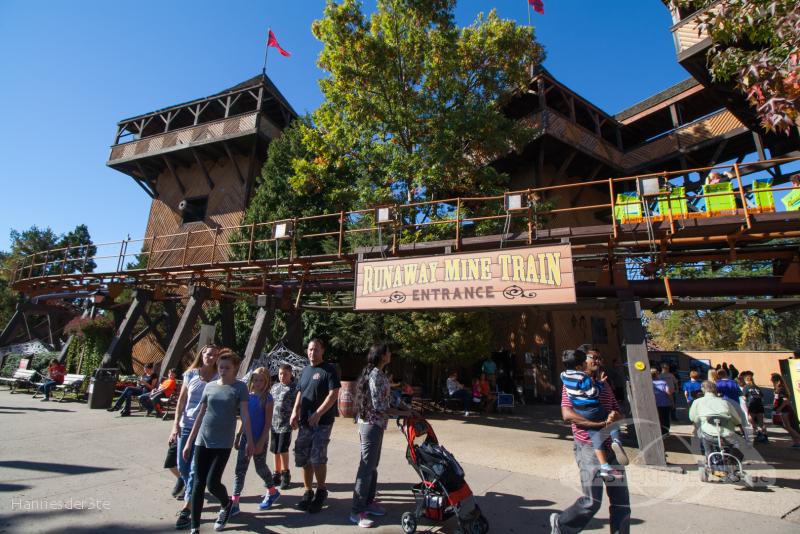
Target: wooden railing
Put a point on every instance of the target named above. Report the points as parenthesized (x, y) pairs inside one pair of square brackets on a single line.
[(191, 135), (454, 219), (687, 33)]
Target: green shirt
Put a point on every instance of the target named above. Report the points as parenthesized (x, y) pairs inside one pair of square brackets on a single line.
[(708, 406)]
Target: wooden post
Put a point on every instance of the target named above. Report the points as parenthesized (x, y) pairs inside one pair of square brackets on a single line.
[(341, 233), (643, 402), (458, 224), (294, 330), (183, 332), (258, 336), (226, 316), (62, 357), (13, 324), (121, 341)]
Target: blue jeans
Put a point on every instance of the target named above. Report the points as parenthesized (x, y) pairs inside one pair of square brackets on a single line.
[(125, 398), (185, 466), (46, 386), (598, 435), (577, 516), (243, 462)]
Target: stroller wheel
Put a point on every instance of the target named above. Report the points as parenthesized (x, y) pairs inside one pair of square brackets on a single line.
[(408, 522)]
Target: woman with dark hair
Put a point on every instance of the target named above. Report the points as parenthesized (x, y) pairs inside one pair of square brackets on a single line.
[(781, 405), (373, 401)]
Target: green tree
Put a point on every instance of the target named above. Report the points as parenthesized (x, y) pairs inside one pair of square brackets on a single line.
[(756, 45), (414, 104)]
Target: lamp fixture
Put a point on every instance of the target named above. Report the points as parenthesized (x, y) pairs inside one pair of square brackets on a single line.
[(282, 230), (514, 201)]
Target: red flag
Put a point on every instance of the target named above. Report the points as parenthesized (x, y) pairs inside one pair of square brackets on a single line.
[(537, 5), (272, 41)]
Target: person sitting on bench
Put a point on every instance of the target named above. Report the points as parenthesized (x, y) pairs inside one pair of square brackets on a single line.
[(55, 374), (151, 401), (146, 383)]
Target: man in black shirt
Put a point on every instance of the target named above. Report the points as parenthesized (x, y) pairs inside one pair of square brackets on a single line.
[(314, 413)]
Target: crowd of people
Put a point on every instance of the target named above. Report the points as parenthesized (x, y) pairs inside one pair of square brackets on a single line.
[(217, 414)]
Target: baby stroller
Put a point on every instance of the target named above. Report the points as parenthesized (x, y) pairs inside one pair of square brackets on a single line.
[(719, 462), (442, 492)]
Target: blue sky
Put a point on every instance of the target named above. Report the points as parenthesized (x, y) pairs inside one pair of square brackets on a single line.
[(71, 70)]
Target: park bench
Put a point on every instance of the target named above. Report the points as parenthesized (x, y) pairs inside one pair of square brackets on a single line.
[(22, 378), (168, 404), (72, 383)]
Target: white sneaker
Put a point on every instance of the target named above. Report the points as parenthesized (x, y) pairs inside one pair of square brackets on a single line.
[(362, 520), (466, 414), (554, 527)]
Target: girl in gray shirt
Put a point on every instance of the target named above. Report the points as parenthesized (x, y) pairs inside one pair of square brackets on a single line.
[(213, 434)]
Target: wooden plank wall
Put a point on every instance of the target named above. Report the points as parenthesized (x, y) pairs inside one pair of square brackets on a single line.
[(226, 204)]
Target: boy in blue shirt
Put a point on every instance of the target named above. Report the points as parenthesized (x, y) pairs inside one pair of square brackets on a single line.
[(584, 393)]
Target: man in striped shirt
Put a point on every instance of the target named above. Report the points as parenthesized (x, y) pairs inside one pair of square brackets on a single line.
[(577, 516)]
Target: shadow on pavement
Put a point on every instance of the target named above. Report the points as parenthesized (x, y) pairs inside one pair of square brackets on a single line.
[(65, 469), (19, 409)]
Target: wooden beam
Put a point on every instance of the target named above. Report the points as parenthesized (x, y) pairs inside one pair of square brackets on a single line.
[(121, 340), (197, 295), (168, 163), (233, 160), (643, 403), (258, 335), (209, 181), (12, 326), (759, 146), (227, 320)]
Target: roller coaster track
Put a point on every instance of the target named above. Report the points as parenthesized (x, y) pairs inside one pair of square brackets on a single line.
[(635, 243)]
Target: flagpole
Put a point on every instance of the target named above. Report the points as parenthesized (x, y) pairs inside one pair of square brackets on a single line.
[(529, 13), (266, 52)]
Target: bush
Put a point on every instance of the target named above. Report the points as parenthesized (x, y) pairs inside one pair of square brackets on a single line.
[(39, 362)]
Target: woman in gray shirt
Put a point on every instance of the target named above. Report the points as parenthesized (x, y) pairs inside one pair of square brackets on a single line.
[(213, 434)]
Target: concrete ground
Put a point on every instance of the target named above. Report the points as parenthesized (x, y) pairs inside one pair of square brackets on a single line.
[(65, 468)]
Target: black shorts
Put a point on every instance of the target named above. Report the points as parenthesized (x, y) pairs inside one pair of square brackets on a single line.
[(172, 456), (279, 442)]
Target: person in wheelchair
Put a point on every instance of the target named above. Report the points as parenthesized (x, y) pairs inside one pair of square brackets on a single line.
[(706, 411)]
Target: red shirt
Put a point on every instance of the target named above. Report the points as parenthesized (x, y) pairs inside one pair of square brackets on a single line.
[(56, 373), (607, 401), (167, 387)]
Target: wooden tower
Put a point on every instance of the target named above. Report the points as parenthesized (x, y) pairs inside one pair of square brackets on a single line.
[(198, 162)]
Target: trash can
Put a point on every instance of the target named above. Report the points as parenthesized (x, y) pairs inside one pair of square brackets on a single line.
[(101, 388)]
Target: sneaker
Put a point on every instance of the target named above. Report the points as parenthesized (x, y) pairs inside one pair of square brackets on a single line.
[(276, 479), (362, 520), (319, 500), (124, 414), (610, 474), (466, 414), (112, 409), (269, 500), (285, 480), (554, 528), (306, 501), (619, 452), (178, 488), (375, 509), (234, 509), (195, 531), (184, 519), (222, 518), (45, 399)]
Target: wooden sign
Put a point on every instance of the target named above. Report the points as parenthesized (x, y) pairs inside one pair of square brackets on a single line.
[(513, 277)]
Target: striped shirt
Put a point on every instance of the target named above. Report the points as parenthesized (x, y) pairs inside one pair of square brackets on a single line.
[(607, 401), (581, 388)]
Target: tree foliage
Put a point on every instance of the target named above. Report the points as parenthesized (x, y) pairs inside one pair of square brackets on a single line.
[(414, 104), (413, 112), (725, 330), (77, 245), (756, 45)]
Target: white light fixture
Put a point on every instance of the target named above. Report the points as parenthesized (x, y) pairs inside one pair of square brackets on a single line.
[(649, 186), (282, 230), (514, 201), (384, 214)]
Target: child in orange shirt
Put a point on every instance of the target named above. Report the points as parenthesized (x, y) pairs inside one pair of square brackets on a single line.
[(148, 400)]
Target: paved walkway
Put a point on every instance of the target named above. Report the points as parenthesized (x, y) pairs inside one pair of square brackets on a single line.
[(64, 468)]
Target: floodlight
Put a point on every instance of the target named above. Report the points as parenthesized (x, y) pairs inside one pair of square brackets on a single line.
[(384, 214), (282, 230), (514, 201), (649, 186)]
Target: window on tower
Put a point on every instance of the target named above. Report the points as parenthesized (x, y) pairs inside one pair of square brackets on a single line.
[(193, 209)]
